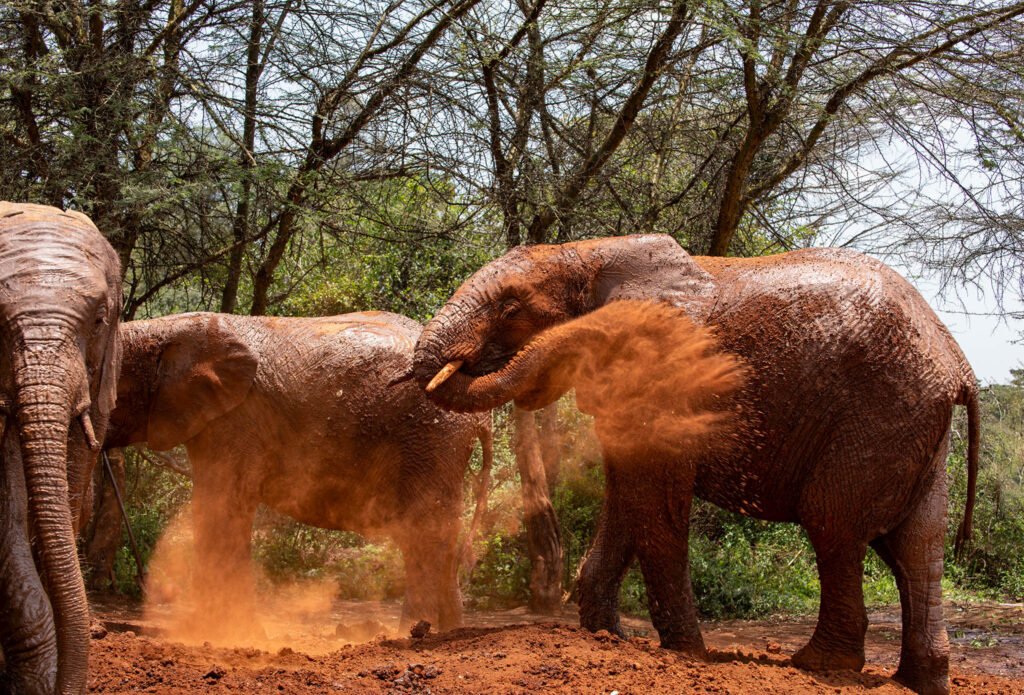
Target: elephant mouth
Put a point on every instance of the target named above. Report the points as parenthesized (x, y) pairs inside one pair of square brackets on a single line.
[(489, 363)]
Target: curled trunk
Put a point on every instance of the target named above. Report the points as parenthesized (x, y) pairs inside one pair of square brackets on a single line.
[(44, 414), (536, 376), (636, 367)]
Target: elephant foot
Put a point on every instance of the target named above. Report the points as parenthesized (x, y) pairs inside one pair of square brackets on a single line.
[(815, 658), (595, 621), (690, 645), (934, 681)]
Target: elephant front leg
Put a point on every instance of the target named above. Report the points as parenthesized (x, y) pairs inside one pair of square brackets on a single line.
[(431, 577), (27, 634), (662, 532), (605, 564), (838, 639), (224, 589)]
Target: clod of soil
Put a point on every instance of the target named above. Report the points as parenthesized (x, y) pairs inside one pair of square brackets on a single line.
[(420, 630)]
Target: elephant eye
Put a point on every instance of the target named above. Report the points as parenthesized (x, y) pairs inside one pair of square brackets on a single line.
[(101, 315), (510, 309)]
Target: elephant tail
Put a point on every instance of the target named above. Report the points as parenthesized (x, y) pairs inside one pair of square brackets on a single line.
[(969, 397), (467, 559)]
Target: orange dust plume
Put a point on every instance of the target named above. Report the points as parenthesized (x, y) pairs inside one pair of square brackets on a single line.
[(652, 379), (236, 609)]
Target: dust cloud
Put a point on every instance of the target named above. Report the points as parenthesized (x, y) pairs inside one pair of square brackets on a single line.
[(656, 384), (653, 380), (237, 607)]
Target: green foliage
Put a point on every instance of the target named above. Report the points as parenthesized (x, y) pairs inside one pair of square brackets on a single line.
[(371, 572), (501, 577), (577, 502), (400, 259), (288, 551), (992, 563), (152, 496)]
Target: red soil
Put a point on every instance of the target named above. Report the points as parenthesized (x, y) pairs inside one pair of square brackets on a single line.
[(505, 652)]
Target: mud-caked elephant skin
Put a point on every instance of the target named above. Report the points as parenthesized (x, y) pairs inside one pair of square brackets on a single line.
[(299, 414), (843, 422), (60, 299)]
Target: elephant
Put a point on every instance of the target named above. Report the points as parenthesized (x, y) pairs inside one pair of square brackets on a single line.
[(298, 414), (60, 303), (845, 416)]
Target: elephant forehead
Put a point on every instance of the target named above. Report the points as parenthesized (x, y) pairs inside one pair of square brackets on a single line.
[(51, 248), (31, 211)]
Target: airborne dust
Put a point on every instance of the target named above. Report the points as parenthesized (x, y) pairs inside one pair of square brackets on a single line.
[(229, 612), (653, 380)]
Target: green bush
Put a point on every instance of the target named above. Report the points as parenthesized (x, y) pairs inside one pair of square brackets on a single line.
[(992, 563), (153, 495), (501, 577)]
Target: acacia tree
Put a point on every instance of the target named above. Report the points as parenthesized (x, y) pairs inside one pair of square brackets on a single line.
[(91, 90)]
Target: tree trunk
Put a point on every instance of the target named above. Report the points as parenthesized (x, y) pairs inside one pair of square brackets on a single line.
[(543, 540), (240, 226), (104, 537)]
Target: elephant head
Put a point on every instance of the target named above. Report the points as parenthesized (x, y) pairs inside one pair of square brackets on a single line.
[(179, 373), (495, 340), (60, 300)]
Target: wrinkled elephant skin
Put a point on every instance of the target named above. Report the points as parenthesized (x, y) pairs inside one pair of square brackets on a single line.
[(845, 416), (298, 414), (60, 299)]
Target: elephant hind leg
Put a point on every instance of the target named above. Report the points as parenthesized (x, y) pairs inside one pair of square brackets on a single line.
[(913, 550), (838, 639)]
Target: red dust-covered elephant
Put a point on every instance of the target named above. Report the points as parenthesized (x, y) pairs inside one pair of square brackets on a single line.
[(60, 298), (843, 419), (297, 414)]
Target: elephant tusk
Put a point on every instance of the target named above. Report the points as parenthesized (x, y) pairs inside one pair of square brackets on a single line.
[(443, 375), (90, 434)]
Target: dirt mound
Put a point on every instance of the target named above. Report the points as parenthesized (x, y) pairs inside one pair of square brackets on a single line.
[(542, 657)]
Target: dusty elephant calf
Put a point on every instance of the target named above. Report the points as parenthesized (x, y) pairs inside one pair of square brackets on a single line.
[(298, 414), (845, 414)]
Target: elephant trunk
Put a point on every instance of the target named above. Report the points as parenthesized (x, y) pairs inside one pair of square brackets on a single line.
[(535, 377), (47, 380)]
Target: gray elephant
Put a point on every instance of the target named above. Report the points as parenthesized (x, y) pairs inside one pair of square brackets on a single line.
[(60, 300), (845, 419), (298, 414)]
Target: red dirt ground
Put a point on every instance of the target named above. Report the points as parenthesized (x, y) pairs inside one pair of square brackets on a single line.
[(517, 652)]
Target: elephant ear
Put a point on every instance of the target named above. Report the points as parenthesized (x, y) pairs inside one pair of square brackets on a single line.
[(203, 374)]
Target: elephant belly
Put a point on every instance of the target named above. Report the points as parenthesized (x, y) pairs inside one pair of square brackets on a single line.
[(337, 496), (747, 488)]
